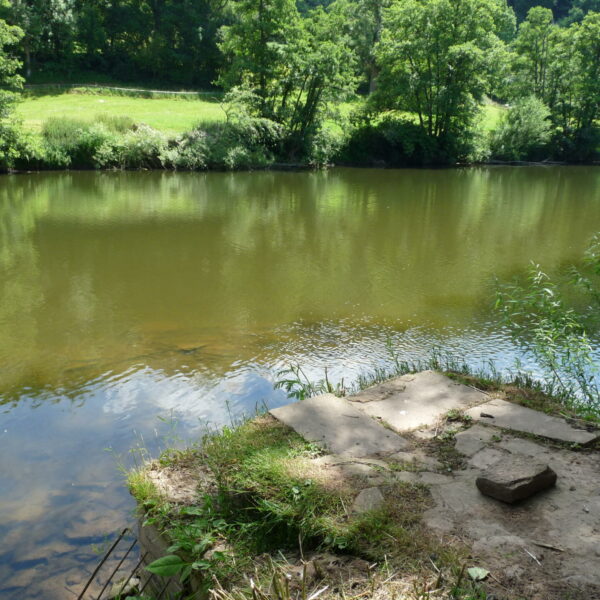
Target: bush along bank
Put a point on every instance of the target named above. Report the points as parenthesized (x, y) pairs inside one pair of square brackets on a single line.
[(117, 142), (256, 511)]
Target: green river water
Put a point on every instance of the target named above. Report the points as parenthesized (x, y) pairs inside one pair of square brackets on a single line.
[(137, 306)]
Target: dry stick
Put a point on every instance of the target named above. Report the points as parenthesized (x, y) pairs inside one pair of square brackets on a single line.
[(317, 594), (549, 546), (389, 578), (533, 556)]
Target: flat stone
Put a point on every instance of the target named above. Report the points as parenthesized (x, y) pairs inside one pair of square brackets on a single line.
[(339, 427), (368, 499), (520, 418), (472, 440), (526, 447), (407, 477), (413, 401), (486, 457), (515, 478), (429, 478)]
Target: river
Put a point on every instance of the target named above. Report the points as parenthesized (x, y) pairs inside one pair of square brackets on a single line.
[(136, 309)]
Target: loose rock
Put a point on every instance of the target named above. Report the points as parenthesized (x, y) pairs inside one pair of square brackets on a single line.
[(515, 478)]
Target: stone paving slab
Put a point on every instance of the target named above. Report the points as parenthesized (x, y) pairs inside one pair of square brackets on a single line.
[(339, 427), (472, 440), (411, 401), (520, 418)]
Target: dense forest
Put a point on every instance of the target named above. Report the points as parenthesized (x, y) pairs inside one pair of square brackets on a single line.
[(422, 69), (170, 42)]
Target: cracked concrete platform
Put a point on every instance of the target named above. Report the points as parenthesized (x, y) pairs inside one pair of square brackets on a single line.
[(339, 427), (416, 400), (507, 415), (566, 518)]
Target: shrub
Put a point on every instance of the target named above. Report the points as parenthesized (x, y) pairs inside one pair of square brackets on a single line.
[(243, 144), (580, 146), (323, 147), (393, 141), (524, 131), (142, 148), (116, 123), (74, 143), (14, 143), (189, 152)]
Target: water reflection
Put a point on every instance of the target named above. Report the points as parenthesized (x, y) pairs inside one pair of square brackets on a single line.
[(127, 296)]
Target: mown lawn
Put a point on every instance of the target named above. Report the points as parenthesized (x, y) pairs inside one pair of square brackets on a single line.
[(171, 115)]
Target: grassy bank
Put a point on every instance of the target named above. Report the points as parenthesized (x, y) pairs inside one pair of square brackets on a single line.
[(97, 128), (265, 514), (267, 511)]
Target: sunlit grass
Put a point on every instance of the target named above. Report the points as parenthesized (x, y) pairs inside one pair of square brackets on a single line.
[(170, 115)]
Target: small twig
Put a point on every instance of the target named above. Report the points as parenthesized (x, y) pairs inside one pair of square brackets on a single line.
[(434, 565), (497, 581), (317, 594), (389, 578), (549, 546), (533, 556)]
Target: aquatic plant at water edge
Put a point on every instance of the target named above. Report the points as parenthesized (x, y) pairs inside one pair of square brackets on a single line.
[(561, 337)]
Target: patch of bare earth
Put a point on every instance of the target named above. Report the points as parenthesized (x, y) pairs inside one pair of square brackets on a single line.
[(181, 482)]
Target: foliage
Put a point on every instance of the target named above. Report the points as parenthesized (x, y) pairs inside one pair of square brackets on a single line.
[(10, 85), (297, 384), (391, 141), (561, 66), (435, 61), (163, 40), (286, 68), (560, 337), (523, 132)]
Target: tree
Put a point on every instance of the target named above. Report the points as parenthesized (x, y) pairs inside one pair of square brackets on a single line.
[(10, 81), (435, 59), (48, 30), (10, 85), (363, 23), (533, 45), (561, 67), (257, 48), (587, 48), (295, 67)]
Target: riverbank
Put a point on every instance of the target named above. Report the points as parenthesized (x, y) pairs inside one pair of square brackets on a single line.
[(108, 130), (259, 510)]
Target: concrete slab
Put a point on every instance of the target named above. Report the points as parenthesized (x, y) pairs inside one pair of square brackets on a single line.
[(520, 418), (472, 440), (339, 427), (411, 401)]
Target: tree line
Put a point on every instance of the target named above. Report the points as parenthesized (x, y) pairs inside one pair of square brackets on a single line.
[(424, 66), (173, 41)]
